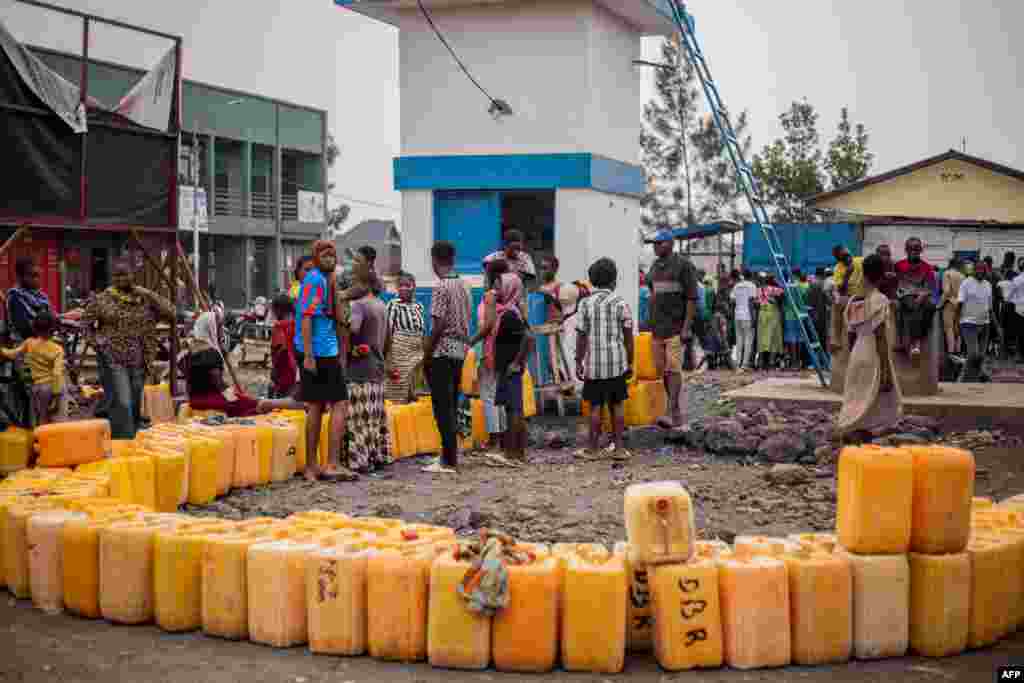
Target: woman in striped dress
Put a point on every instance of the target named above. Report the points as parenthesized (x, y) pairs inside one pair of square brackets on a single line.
[(403, 347)]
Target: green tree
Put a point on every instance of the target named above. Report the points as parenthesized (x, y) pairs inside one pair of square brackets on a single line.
[(790, 169), (720, 196), (670, 118), (848, 158)]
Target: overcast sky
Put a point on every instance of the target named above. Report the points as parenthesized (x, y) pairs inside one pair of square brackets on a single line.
[(920, 74)]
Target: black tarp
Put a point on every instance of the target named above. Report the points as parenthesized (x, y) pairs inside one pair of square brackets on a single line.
[(128, 167), (128, 173), (41, 154)]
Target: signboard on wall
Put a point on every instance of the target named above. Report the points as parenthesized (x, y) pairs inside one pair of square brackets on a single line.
[(311, 207), (192, 204)]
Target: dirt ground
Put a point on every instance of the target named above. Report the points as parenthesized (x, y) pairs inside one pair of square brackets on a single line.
[(47, 649), (558, 498), (555, 497)]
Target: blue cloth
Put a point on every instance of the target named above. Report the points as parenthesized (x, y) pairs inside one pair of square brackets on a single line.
[(312, 302), (702, 304), (23, 305), (791, 331)]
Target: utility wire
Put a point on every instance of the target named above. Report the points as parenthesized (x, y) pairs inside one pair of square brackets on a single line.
[(496, 105), (361, 201)]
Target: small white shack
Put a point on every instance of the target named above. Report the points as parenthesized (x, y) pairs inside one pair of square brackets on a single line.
[(561, 166)]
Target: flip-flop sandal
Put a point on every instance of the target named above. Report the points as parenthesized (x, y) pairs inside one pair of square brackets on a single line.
[(500, 460), (339, 475), (665, 423), (438, 468)]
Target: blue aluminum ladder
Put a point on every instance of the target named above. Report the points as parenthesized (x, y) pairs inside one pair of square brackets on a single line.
[(750, 187)]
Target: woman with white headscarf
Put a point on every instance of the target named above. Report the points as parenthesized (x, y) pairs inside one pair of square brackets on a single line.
[(206, 333), (205, 336)]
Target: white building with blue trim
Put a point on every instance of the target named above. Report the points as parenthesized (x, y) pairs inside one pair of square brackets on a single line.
[(562, 167)]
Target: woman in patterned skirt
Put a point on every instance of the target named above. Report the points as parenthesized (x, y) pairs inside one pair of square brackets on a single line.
[(369, 445), (404, 345)]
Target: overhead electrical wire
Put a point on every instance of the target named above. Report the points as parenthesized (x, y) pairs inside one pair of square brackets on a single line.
[(498, 107)]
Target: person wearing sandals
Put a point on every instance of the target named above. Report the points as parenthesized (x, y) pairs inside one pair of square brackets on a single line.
[(487, 332), (672, 280), (445, 352), (604, 355), (370, 447), (511, 346), (322, 378)]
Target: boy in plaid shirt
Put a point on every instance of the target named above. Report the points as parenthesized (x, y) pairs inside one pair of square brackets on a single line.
[(604, 354)]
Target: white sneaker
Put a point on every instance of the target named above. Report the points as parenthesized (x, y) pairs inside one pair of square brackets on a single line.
[(435, 467)]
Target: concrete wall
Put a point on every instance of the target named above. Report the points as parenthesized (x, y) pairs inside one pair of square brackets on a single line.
[(564, 67), (951, 189), (418, 233), (590, 225), (615, 88)]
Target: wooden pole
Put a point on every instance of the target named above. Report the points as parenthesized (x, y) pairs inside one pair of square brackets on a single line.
[(202, 301), (154, 265), (197, 294), (174, 329)]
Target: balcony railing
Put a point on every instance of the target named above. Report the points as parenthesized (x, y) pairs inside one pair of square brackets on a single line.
[(263, 205), (289, 207), (229, 202)]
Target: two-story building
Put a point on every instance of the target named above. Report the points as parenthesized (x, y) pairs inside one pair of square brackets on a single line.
[(257, 157), (85, 192)]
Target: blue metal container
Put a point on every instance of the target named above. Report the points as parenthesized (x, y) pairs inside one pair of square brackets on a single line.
[(808, 246)]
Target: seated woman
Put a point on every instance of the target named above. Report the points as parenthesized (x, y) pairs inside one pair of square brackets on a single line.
[(208, 391)]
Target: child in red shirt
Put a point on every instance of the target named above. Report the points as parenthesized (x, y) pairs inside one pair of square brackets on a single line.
[(284, 368)]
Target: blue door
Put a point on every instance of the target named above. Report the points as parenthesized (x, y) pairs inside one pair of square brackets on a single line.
[(471, 220)]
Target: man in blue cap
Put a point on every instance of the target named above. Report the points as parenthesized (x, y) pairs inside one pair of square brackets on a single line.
[(672, 280)]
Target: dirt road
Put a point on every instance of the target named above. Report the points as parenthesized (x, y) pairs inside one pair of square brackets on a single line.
[(555, 498), (47, 649)]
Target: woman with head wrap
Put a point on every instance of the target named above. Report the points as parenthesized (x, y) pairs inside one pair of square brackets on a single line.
[(322, 376), (369, 445), (508, 348), (206, 333), (872, 400)]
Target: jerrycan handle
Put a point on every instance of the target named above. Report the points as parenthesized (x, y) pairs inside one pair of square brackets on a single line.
[(662, 507)]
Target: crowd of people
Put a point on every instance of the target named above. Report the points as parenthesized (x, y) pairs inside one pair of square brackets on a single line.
[(339, 351), (749, 315)]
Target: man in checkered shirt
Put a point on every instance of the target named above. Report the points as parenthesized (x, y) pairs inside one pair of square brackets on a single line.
[(604, 354)]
